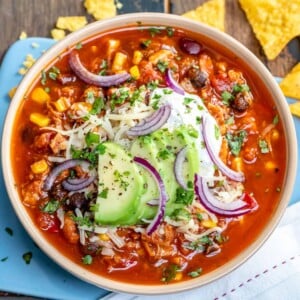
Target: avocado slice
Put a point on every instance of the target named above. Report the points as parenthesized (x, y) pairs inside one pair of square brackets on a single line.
[(120, 187)]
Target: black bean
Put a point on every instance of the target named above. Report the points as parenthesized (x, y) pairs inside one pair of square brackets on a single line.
[(240, 103), (197, 77), (77, 200), (28, 134), (190, 46), (90, 248), (58, 192)]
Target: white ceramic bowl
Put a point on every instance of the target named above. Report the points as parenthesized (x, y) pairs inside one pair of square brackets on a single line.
[(163, 20)]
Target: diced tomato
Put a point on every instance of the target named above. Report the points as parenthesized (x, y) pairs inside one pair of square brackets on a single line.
[(48, 222)]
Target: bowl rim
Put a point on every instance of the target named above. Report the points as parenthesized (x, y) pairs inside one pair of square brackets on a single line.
[(155, 19)]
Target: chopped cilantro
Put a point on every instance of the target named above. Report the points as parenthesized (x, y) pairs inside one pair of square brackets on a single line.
[(170, 31), (187, 100), (167, 91), (162, 66), (53, 73), (104, 193), (155, 104), (199, 245), (87, 259), (199, 216), (238, 88), (94, 207), (163, 154), (220, 239), (152, 85), (82, 221), (121, 178), (98, 105), (230, 120), (195, 273), (198, 120), (9, 231), (136, 96), (146, 139), (92, 138), (275, 120), (217, 132), (181, 214), (146, 43), (43, 77), (4, 259), (78, 46), (154, 31), (27, 257), (227, 98), (235, 142), (119, 97), (88, 154), (263, 145), (184, 196), (190, 185), (51, 206), (169, 273), (100, 149), (192, 132)]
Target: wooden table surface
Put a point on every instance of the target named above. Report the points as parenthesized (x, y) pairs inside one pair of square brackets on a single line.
[(38, 17)]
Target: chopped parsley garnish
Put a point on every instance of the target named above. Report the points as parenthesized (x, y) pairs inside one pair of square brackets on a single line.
[(92, 138), (230, 120), (82, 221), (275, 120), (198, 120), (88, 154), (53, 73), (103, 67), (87, 259), (217, 132), (27, 257), (192, 132), (181, 214), (184, 196), (167, 91), (263, 145), (235, 142), (43, 77), (78, 46), (238, 88), (51, 206), (4, 259), (199, 245), (137, 95), (163, 154), (100, 149), (154, 31), (187, 100), (170, 31), (104, 193), (169, 273), (9, 231), (227, 98), (152, 85), (97, 106), (162, 66), (195, 273), (121, 178), (146, 43), (119, 97)]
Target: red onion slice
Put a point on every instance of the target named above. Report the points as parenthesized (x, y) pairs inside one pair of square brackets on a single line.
[(152, 124), (79, 186), (234, 209), (178, 167), (91, 78), (68, 164), (236, 176), (173, 84), (162, 194), (153, 202), (75, 181)]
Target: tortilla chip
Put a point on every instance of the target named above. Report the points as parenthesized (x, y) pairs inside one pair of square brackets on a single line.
[(290, 85), (58, 34), (295, 109), (101, 9), (274, 22), (211, 13), (71, 23)]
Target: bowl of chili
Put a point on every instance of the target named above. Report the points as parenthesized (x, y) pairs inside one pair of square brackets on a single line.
[(149, 154)]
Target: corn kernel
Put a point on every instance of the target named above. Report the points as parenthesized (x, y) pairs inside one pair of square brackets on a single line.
[(104, 237), (270, 165), (112, 46), (137, 57), (39, 119), (62, 104), (237, 164), (12, 92), (178, 276), (135, 72), (208, 223), (275, 134), (177, 260), (119, 62), (40, 96), (39, 167)]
